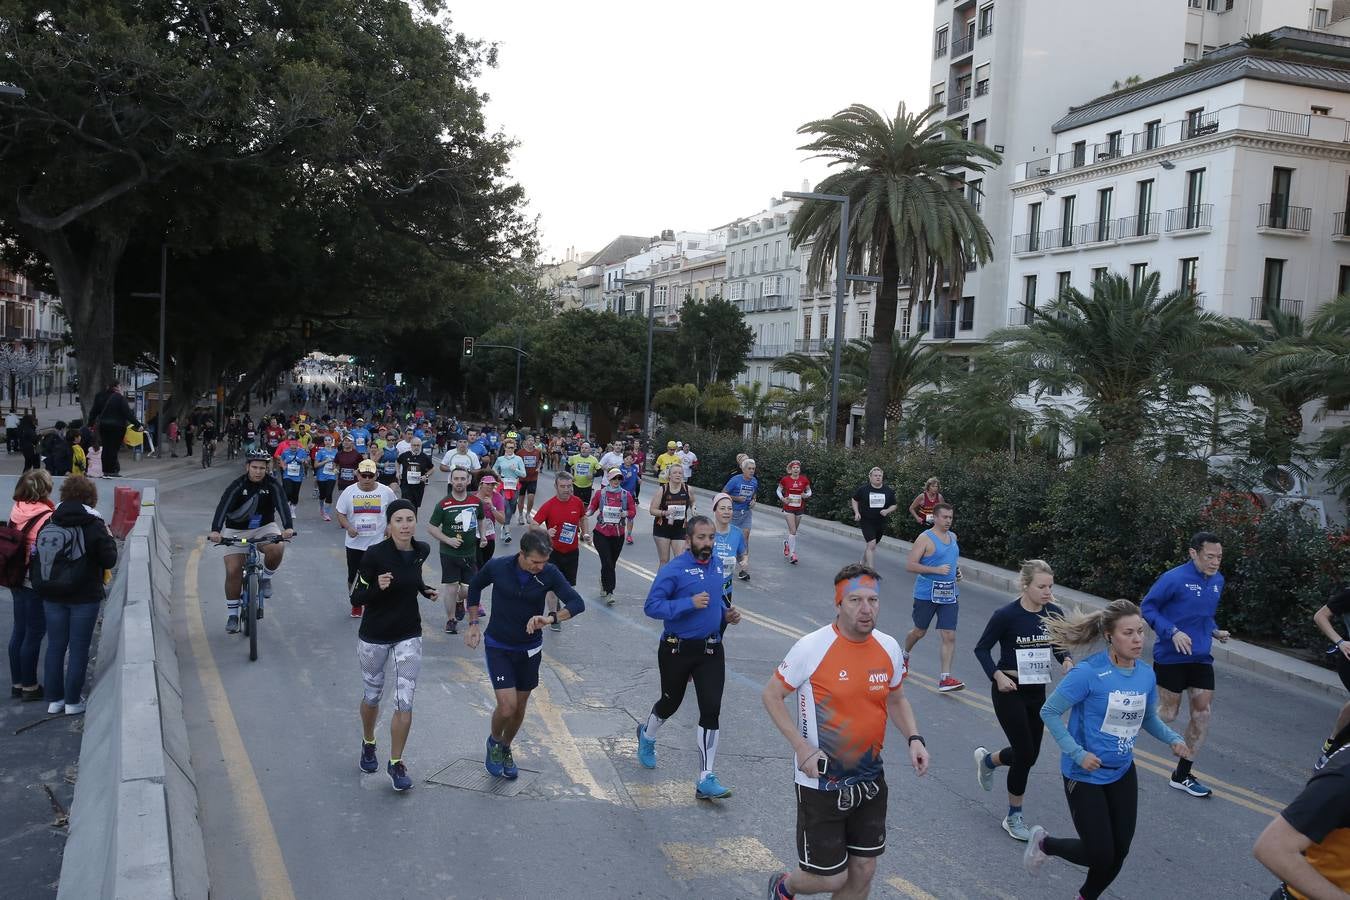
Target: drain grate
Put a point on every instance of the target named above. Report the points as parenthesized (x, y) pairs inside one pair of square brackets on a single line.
[(470, 775)]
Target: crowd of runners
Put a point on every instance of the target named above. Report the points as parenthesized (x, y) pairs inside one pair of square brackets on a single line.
[(508, 555)]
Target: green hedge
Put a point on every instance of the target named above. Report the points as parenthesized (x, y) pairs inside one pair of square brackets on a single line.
[(1108, 528)]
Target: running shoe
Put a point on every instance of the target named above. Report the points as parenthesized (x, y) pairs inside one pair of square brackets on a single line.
[(743, 575), (793, 559), (459, 611), (709, 788), (509, 769), (327, 517), (74, 709), (494, 760), (232, 625), (1016, 826), (777, 891), (507, 539), (646, 749), (1034, 856), (983, 774), (357, 611), (609, 598), (1191, 785), (398, 774), (451, 627), (630, 539), (369, 762), (56, 707), (951, 684), (786, 552)]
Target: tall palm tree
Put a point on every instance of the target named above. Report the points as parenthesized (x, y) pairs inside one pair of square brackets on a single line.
[(814, 374), (1129, 353), (913, 364), (1278, 346), (908, 219), (758, 405)]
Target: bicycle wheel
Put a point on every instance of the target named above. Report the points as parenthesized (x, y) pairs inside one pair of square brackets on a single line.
[(251, 599)]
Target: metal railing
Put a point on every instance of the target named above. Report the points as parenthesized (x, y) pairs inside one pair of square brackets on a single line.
[(939, 51), (1284, 122), (1284, 217), (1199, 126), (1020, 315), (1186, 218), (963, 45), (1031, 242), (944, 328), (958, 104), (768, 351), (812, 345), (1261, 307), (1135, 226), (987, 30), (1340, 225), (982, 88)]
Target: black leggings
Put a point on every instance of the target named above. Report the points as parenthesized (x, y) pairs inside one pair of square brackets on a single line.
[(710, 677), (353, 563), (1104, 815), (1019, 713), (608, 549)]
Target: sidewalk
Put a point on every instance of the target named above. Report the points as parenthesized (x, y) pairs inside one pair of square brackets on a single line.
[(1239, 654)]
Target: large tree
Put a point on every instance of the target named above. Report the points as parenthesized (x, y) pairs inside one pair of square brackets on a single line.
[(714, 338), (909, 219)]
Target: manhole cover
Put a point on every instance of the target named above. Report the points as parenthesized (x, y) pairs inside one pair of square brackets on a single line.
[(470, 775)]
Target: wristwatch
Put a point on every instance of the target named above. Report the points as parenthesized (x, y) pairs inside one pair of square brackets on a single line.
[(553, 618)]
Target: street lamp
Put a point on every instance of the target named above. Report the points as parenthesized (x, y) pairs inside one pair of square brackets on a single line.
[(162, 295), (651, 325)]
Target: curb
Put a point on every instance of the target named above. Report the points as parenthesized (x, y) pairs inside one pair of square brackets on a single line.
[(1239, 654)]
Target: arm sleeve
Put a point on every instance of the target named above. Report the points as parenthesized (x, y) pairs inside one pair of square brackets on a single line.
[(660, 604), (992, 632), (1161, 625), (367, 588), (481, 579), (1072, 690), (1156, 726), (227, 498)]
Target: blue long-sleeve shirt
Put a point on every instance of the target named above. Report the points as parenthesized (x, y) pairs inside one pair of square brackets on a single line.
[(1183, 599), (1107, 707), (518, 596), (671, 597)]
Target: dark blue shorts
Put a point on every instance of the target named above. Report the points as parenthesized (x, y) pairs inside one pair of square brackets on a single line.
[(924, 610), (513, 669)]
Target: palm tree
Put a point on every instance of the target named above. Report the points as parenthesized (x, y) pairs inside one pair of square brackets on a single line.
[(913, 365), (814, 374), (1278, 345), (1130, 354), (761, 407), (908, 216)]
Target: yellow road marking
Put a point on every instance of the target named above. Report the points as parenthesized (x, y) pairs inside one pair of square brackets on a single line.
[(909, 888), (736, 854), (269, 866), (662, 794), (562, 670), (564, 746)]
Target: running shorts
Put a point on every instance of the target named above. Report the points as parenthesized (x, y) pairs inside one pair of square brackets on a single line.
[(828, 835), (518, 669), (1176, 677)]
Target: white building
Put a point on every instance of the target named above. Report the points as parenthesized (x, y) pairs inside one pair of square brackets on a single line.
[(762, 274), (591, 274), (625, 295)]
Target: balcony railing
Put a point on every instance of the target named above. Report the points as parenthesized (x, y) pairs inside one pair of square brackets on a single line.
[(982, 88), (963, 45), (1031, 242), (1282, 121), (1021, 315), (1340, 225), (769, 351), (939, 51), (1186, 218), (1199, 126), (944, 329), (1261, 307), (958, 105), (812, 345), (1135, 226), (1284, 217)]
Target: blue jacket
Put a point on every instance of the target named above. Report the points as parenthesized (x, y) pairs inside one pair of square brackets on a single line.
[(517, 596), (672, 596), (1183, 600)]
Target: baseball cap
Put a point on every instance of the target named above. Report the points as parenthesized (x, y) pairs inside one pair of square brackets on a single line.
[(670, 445), (367, 465), (613, 473)]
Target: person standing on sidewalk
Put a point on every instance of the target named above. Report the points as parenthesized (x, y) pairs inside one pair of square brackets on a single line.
[(113, 416), (28, 442), (935, 557), (614, 510), (32, 507), (11, 431)]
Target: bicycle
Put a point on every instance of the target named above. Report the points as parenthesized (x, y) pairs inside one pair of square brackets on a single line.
[(232, 447), (208, 451), (251, 594)]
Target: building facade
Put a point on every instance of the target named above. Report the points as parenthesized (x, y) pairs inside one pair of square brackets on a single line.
[(763, 276)]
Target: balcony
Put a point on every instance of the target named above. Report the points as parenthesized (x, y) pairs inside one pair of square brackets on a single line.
[(944, 329), (1021, 315), (812, 346), (958, 105), (1190, 218), (940, 51), (769, 351), (963, 45), (1281, 217), (14, 333), (987, 30), (1261, 307), (1139, 227), (1031, 242), (1199, 126), (1340, 227)]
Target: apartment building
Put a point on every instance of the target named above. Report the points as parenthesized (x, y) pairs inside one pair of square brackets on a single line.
[(1214, 23), (763, 273), (591, 274), (626, 290), (691, 276), (558, 279), (33, 318)]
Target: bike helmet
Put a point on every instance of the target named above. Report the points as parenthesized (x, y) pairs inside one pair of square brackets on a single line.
[(257, 456)]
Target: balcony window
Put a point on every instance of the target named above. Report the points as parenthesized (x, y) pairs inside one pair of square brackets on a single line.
[(1029, 291), (1138, 272), (940, 43), (967, 314), (1190, 275), (1153, 134), (987, 20)]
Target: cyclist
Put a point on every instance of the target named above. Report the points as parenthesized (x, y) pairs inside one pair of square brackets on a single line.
[(250, 508)]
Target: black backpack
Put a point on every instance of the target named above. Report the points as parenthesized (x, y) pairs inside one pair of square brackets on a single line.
[(14, 552), (59, 566)]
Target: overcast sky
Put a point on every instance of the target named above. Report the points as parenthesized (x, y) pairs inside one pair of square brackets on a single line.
[(634, 117)]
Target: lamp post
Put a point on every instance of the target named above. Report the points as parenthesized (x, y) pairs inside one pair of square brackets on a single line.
[(162, 295), (651, 326)]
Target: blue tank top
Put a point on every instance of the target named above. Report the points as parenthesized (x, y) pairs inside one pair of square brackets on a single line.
[(939, 588)]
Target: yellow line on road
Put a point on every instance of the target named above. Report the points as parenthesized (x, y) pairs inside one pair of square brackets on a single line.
[(269, 866), (909, 888), (566, 752)]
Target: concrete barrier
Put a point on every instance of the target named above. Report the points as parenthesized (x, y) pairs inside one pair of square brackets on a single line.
[(135, 830)]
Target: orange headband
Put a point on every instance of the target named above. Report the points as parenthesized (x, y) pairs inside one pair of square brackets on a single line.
[(844, 588)]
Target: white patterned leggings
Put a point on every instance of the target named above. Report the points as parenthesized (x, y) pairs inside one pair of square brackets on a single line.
[(407, 664)]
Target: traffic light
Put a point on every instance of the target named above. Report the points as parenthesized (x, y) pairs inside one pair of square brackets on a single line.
[(468, 346)]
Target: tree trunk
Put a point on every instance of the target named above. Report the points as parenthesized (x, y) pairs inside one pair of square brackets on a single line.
[(879, 362)]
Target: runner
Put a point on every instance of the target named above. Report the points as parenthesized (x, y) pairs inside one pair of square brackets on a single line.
[(1018, 681), (688, 459), (414, 468), (728, 543), (347, 459), (1307, 845), (461, 457), (672, 506), (360, 435), (510, 468), (665, 461), (794, 489), (514, 641), (921, 507), (253, 506), (387, 460), (491, 513), (872, 504), (564, 517), (935, 556), (1109, 697), (632, 483), (293, 461), (388, 583), (690, 650), (612, 458), (1338, 607), (837, 736), (614, 509), (454, 525), (584, 467), (361, 512), (742, 489), (532, 457), (1180, 609), (325, 474)]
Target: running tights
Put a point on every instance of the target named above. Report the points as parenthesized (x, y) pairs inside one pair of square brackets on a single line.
[(353, 563), (1104, 815), (710, 675), (1019, 712), (608, 548)]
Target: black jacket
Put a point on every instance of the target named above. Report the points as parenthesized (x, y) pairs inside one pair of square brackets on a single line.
[(58, 454), (115, 412), (391, 615), (100, 550), (250, 504)]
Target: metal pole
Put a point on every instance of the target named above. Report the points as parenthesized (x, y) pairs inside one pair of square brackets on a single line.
[(516, 409), (840, 285), (163, 303), (647, 395)]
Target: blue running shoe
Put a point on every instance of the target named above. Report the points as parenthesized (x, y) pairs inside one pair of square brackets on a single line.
[(494, 762), (369, 763), (398, 774), (646, 749), (509, 769), (1191, 785), (709, 788)]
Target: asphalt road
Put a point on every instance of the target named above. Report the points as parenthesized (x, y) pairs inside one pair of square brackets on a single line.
[(287, 813)]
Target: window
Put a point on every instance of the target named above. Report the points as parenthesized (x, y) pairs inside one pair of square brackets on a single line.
[(1063, 281), (1321, 110), (987, 20), (905, 327), (1034, 226), (1138, 272), (975, 193), (777, 253), (862, 324), (924, 317), (1194, 4), (824, 324), (1113, 144), (1273, 282), (662, 295), (806, 324), (1281, 183), (1079, 153), (1190, 275), (1098, 274), (1104, 213), (1194, 118), (1195, 192), (940, 43), (967, 313), (1320, 19), (1192, 51), (1343, 282), (1066, 206), (1029, 291), (940, 93), (1153, 134), (1143, 206), (978, 131)]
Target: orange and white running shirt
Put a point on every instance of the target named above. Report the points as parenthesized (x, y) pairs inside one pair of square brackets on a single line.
[(842, 688)]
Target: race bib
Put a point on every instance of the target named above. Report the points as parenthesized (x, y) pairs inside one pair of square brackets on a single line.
[(390, 468), (414, 475), (510, 483), (1033, 665), (611, 515), (1124, 714), (367, 524), (567, 534), (531, 462), (944, 591), (794, 499), (583, 469), (348, 474), (876, 501), (293, 469), (675, 512), (329, 468)]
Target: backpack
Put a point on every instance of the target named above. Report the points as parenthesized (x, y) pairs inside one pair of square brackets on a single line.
[(60, 566), (14, 552)]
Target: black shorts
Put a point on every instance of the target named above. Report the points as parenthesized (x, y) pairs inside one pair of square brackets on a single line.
[(567, 564), (513, 669), (872, 531), (457, 569), (326, 490), (485, 553), (529, 487), (1343, 669), (827, 836), (669, 532), (292, 489), (584, 494), (1176, 677)]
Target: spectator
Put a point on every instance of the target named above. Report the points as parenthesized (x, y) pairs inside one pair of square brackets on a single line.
[(32, 504), (113, 414), (11, 431), (55, 449), (172, 435), (28, 442)]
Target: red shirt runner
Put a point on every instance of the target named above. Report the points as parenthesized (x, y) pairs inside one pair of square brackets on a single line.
[(793, 489), (566, 518)]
